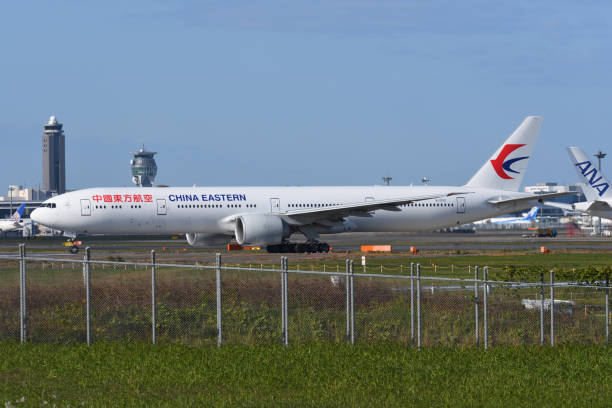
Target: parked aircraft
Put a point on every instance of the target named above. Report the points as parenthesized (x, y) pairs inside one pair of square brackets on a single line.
[(596, 187), (13, 223), (269, 216), (528, 218)]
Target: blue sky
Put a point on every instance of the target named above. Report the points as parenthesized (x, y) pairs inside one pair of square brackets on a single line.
[(302, 93)]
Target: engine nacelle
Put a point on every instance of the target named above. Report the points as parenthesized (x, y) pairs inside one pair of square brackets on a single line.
[(202, 239), (260, 229)]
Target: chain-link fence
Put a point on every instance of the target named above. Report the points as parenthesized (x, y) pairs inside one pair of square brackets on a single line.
[(46, 299)]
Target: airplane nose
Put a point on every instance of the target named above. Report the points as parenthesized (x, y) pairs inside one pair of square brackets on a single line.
[(36, 216)]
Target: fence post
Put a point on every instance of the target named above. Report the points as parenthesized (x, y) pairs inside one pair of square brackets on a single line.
[(153, 299), (541, 307), (485, 333), (352, 270), (87, 273), (282, 275), (552, 307), (284, 301), (476, 305), (419, 305), (412, 304), (348, 302), (219, 318), (607, 311), (22, 293)]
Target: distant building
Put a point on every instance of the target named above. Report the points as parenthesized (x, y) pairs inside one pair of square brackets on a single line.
[(144, 168), (545, 188), (54, 158), (18, 193)]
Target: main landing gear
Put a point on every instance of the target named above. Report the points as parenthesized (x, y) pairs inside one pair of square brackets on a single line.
[(311, 247)]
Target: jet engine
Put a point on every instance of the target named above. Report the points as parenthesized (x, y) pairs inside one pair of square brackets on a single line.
[(201, 239), (260, 229)]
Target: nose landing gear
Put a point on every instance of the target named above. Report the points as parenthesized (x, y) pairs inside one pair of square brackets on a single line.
[(73, 246)]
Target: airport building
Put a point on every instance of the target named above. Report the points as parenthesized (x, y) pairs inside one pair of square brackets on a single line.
[(144, 168), (19, 193), (53, 173), (53, 158)]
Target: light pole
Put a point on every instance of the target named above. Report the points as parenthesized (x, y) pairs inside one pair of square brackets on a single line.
[(600, 155), (387, 180), (11, 189)]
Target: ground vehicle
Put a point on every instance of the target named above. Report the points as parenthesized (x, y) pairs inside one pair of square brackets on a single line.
[(546, 232)]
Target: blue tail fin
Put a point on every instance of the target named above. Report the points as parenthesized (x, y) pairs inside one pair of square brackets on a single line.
[(532, 213), (19, 213)]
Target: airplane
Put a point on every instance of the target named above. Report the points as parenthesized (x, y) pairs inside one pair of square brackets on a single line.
[(269, 216), (13, 223), (596, 188), (529, 217)]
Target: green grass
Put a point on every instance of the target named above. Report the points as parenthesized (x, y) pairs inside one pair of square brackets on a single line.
[(138, 374)]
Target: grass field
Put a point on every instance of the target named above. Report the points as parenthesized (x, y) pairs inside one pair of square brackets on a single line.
[(186, 303), (138, 374)]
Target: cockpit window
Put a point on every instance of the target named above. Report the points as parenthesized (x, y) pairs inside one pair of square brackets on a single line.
[(50, 205)]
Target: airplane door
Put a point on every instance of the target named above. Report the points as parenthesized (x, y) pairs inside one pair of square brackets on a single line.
[(275, 205), (161, 206), (85, 207), (460, 205)]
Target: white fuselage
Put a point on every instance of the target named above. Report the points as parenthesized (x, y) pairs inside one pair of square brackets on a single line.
[(8, 225), (178, 210)]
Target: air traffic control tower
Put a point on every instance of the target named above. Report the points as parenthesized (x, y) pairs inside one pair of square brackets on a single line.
[(54, 158), (144, 168)]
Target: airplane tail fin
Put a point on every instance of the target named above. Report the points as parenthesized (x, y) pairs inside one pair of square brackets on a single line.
[(506, 168), (18, 214), (532, 213), (597, 187)]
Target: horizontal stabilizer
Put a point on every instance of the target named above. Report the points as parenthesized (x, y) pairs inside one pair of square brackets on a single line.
[(532, 197)]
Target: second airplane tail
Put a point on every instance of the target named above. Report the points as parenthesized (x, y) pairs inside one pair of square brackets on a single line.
[(597, 186), (506, 168), (16, 217)]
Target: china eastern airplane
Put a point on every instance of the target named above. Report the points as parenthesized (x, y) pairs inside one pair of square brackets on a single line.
[(269, 216), (13, 223), (597, 187)]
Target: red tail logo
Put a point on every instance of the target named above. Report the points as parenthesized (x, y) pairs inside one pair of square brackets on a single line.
[(501, 165)]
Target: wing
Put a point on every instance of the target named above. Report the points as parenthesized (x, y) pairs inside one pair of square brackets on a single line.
[(563, 206), (338, 212), (599, 206), (584, 206), (360, 209)]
